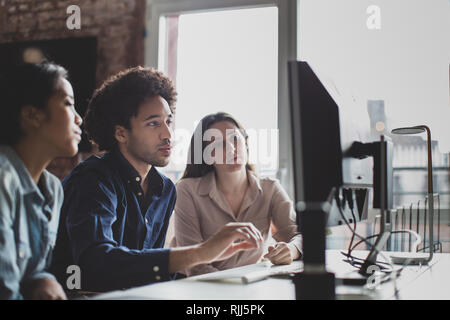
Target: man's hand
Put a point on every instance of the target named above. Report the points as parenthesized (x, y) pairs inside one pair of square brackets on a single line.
[(47, 289), (282, 253), (232, 238)]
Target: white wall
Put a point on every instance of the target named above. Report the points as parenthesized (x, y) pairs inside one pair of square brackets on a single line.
[(405, 62)]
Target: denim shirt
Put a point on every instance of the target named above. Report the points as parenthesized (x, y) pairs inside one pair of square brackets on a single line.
[(110, 229), (29, 216)]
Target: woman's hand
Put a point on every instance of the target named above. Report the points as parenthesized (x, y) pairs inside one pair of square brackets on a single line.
[(47, 289), (282, 253)]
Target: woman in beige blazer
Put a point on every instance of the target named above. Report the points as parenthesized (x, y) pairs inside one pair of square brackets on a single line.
[(219, 186)]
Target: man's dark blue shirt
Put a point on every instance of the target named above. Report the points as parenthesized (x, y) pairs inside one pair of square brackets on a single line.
[(112, 230)]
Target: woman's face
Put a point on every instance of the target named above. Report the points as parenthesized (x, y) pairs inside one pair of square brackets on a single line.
[(228, 139), (60, 129)]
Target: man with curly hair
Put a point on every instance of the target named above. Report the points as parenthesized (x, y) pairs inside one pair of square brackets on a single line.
[(117, 207)]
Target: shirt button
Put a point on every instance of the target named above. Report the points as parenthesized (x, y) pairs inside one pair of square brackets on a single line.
[(140, 194), (21, 254), (155, 268), (138, 179), (158, 278)]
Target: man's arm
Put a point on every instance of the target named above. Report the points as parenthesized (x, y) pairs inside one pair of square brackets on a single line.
[(90, 207), (232, 238), (187, 227), (91, 211)]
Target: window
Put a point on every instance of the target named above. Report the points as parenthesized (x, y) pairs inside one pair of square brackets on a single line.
[(224, 56)]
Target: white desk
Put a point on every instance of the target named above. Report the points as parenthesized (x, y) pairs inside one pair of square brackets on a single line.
[(415, 282)]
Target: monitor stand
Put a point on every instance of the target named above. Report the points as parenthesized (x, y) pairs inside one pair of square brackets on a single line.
[(314, 282)]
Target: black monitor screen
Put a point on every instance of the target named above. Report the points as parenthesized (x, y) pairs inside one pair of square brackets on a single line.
[(316, 142), (333, 146)]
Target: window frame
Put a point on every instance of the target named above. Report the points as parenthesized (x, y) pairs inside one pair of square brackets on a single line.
[(287, 51)]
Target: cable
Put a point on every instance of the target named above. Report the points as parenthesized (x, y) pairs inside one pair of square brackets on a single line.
[(353, 258), (354, 263), (416, 244), (348, 197), (353, 234), (349, 255), (361, 237), (392, 274)]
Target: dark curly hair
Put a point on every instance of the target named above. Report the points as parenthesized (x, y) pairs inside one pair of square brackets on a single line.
[(21, 85), (119, 98)]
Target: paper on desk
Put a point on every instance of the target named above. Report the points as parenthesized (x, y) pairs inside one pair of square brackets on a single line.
[(251, 273)]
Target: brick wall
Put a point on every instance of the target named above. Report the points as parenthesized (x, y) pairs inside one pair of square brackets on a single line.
[(118, 25)]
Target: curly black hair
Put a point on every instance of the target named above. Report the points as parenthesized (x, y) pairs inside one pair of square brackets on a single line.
[(21, 85), (119, 98)]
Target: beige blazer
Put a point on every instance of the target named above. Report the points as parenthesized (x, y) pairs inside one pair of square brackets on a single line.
[(201, 210)]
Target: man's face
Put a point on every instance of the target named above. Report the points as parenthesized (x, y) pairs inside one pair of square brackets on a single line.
[(149, 139)]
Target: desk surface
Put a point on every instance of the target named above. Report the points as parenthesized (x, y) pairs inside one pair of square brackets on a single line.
[(415, 282)]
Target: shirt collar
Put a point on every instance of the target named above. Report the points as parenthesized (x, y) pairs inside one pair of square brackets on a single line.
[(130, 174), (156, 181), (208, 184)]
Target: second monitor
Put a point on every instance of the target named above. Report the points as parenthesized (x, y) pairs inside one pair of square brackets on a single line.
[(332, 148)]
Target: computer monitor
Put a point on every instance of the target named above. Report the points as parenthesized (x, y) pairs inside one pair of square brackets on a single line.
[(331, 152), (333, 147), (316, 143)]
